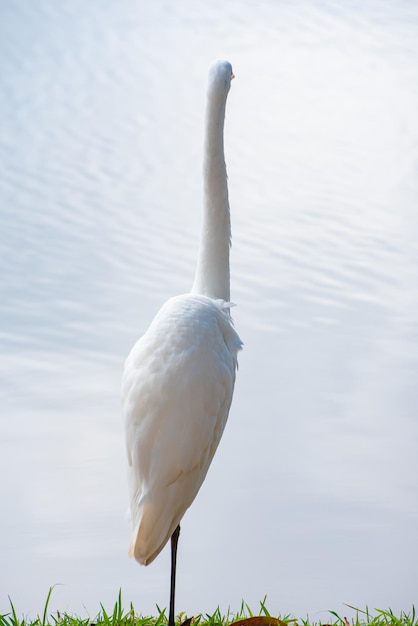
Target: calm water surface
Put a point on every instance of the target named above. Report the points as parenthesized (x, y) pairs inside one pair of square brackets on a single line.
[(312, 498)]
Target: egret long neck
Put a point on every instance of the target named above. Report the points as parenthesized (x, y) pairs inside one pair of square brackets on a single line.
[(212, 272)]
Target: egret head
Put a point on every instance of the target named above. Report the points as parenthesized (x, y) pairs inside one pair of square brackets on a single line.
[(220, 76)]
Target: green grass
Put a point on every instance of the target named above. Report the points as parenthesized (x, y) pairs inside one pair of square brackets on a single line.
[(127, 617)]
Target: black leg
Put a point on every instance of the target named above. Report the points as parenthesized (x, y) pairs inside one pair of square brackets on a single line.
[(174, 541)]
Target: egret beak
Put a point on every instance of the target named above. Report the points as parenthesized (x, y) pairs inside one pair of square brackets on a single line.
[(232, 76)]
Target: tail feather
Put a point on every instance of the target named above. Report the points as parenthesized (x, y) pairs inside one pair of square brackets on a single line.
[(152, 532)]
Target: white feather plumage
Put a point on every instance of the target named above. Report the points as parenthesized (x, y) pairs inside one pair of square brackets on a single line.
[(177, 390), (179, 377)]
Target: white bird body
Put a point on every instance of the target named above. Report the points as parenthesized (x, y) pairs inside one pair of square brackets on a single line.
[(179, 377), (177, 390)]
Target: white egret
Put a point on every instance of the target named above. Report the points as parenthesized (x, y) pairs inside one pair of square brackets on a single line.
[(179, 377)]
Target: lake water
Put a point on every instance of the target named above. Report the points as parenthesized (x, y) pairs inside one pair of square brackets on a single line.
[(312, 496)]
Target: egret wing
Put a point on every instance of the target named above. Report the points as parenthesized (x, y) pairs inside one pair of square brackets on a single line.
[(177, 395)]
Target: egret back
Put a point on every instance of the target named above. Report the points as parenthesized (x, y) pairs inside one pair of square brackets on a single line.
[(177, 390)]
